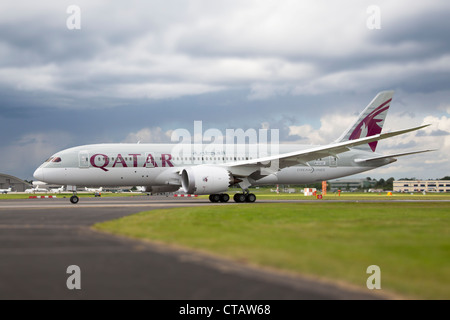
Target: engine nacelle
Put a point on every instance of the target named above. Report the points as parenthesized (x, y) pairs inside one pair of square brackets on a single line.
[(205, 180)]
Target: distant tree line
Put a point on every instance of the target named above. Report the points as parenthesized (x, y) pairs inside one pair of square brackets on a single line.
[(383, 184), (387, 184)]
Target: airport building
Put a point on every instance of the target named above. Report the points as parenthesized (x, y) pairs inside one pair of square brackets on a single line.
[(351, 184), (422, 185), (16, 184)]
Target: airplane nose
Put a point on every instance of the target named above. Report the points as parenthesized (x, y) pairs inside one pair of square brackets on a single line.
[(39, 174)]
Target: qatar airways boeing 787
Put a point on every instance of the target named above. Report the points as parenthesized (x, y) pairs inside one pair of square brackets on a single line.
[(202, 171)]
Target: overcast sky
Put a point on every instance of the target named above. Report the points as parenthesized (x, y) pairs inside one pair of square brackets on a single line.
[(136, 70)]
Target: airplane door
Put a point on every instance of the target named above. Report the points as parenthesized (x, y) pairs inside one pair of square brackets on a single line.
[(83, 158)]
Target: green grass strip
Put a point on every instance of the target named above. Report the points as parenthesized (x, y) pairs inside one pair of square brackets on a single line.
[(410, 242)]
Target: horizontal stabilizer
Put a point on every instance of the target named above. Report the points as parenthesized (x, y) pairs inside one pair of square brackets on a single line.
[(391, 156)]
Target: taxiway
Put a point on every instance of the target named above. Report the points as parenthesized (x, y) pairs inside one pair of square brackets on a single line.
[(40, 238)]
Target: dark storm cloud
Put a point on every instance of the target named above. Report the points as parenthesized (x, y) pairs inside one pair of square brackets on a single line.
[(44, 45), (231, 64), (418, 27)]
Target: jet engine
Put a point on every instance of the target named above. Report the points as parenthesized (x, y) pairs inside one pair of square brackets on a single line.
[(205, 180)]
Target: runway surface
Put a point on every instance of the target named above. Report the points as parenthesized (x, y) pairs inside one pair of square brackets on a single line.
[(40, 238)]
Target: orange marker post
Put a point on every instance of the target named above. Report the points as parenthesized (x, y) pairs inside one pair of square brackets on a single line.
[(324, 188)]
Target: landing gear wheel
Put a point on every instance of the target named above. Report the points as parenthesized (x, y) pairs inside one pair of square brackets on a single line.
[(239, 197), (74, 199), (250, 197), (224, 197), (214, 197)]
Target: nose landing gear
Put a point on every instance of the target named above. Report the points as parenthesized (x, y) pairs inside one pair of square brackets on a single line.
[(74, 199)]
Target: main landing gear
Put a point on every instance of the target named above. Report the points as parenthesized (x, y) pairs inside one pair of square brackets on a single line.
[(223, 197), (244, 197), (238, 197)]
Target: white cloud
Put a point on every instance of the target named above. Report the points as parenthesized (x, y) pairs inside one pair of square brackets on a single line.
[(436, 123), (331, 128), (161, 90), (148, 135), (427, 165)]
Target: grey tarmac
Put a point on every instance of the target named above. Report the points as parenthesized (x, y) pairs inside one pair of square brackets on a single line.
[(40, 238)]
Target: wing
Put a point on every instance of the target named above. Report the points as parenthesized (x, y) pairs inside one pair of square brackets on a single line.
[(272, 164)]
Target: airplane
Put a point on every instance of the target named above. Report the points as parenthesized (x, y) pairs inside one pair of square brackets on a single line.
[(39, 183), (141, 188), (57, 190), (5, 191), (94, 189), (36, 189), (154, 165)]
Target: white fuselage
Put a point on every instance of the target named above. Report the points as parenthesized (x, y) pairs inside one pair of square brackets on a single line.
[(158, 165)]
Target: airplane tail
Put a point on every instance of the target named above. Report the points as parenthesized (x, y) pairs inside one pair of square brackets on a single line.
[(370, 121)]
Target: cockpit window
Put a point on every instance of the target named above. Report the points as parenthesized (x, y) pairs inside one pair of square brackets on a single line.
[(49, 159), (56, 159)]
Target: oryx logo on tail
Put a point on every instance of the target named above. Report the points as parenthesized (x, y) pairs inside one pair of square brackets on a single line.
[(371, 124), (370, 121)]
